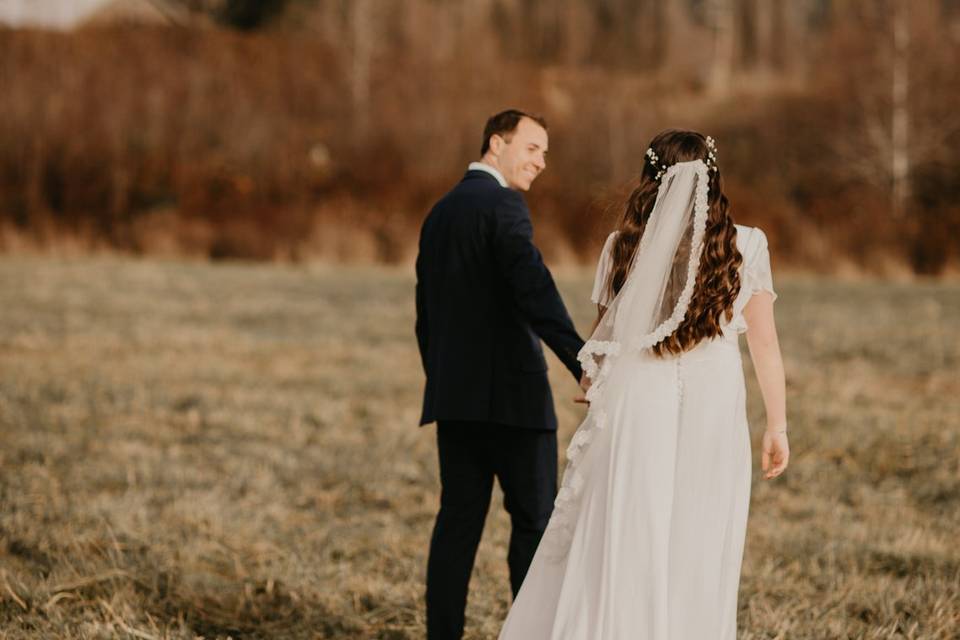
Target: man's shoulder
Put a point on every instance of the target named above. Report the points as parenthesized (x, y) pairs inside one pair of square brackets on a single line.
[(482, 192), (483, 183)]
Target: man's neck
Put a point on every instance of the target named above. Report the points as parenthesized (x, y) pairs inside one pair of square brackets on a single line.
[(487, 166)]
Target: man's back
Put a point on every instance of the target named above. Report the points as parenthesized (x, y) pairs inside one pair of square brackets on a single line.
[(484, 300), (482, 292)]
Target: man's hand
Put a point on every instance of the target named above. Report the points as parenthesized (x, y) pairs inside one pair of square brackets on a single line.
[(584, 386)]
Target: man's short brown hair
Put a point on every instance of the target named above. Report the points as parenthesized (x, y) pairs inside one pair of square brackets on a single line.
[(505, 123)]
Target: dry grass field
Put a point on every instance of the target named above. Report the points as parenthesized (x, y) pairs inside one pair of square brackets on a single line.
[(231, 451)]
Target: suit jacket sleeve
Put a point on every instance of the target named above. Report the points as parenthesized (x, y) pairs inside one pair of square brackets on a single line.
[(531, 284), (421, 323)]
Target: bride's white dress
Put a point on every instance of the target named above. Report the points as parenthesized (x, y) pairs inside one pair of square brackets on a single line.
[(646, 539)]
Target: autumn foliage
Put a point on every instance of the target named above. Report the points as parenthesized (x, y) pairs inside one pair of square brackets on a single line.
[(326, 134)]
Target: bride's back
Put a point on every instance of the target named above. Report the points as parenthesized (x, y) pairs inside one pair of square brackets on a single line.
[(717, 269)]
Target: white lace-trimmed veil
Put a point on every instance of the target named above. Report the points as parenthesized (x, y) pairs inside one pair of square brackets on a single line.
[(650, 305), (655, 297)]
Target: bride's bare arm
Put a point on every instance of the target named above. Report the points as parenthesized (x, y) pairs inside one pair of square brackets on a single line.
[(768, 364), (600, 311), (584, 380)]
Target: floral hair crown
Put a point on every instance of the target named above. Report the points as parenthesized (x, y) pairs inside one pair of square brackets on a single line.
[(710, 160)]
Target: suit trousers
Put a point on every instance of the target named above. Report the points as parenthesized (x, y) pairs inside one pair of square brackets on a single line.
[(524, 461)]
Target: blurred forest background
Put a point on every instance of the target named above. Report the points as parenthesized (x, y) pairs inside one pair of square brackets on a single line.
[(324, 129)]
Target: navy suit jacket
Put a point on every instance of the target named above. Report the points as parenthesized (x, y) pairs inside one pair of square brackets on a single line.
[(484, 300)]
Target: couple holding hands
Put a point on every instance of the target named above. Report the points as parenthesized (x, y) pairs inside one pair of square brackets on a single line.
[(644, 536)]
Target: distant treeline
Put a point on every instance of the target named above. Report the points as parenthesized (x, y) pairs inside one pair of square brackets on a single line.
[(326, 131)]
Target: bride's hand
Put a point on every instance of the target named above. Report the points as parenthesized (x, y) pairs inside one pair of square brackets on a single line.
[(776, 453), (585, 386)]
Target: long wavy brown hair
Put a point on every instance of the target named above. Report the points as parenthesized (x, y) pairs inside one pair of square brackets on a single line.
[(718, 279)]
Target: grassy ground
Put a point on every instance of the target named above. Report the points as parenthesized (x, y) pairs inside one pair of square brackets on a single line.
[(232, 451)]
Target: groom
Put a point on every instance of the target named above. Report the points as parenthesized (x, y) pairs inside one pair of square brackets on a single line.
[(484, 301)]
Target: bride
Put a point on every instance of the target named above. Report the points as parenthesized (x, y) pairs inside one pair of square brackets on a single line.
[(646, 538)]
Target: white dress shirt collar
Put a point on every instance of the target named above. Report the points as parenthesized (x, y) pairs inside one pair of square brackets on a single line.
[(482, 166)]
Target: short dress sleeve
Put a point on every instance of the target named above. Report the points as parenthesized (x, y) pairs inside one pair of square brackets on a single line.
[(757, 274), (601, 293)]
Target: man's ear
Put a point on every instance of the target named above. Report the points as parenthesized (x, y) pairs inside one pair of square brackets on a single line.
[(497, 143)]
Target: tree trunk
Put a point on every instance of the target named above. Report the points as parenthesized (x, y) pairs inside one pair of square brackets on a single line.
[(724, 24), (362, 28), (900, 121)]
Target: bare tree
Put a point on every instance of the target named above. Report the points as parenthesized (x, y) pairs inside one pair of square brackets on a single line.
[(883, 47), (900, 120), (363, 39), (724, 38)]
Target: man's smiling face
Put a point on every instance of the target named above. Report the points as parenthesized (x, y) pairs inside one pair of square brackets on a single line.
[(522, 156)]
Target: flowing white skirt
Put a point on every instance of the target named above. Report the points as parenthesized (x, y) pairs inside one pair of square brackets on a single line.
[(657, 536)]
